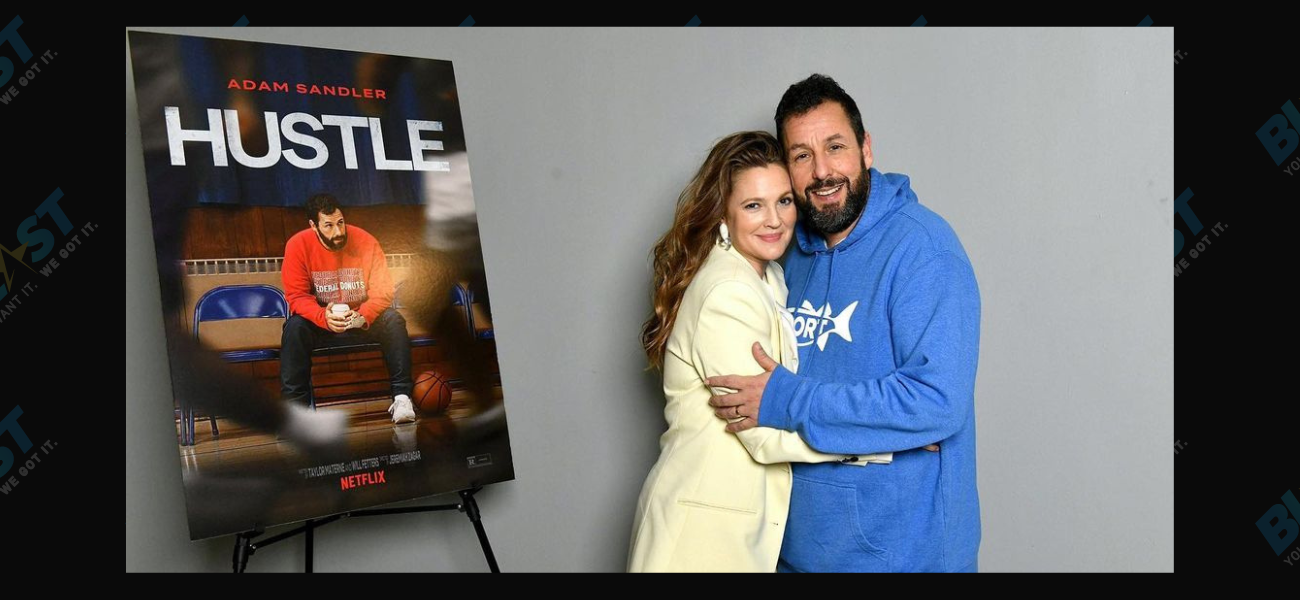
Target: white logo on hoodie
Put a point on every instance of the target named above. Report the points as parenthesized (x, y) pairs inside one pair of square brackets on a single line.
[(810, 324)]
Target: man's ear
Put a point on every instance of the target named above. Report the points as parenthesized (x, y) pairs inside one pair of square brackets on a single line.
[(867, 158)]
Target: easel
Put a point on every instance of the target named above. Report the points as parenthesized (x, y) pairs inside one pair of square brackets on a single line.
[(245, 546)]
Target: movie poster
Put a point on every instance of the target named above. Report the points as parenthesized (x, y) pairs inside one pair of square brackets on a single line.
[(327, 314)]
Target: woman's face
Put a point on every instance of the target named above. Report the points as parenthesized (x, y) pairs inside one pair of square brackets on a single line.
[(760, 214)]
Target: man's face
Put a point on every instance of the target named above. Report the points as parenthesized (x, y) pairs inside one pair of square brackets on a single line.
[(828, 169), (330, 229)]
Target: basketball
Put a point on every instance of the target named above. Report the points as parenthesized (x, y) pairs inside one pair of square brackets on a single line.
[(432, 393)]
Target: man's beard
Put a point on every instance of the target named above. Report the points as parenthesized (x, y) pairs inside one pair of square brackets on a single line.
[(335, 244), (834, 219)]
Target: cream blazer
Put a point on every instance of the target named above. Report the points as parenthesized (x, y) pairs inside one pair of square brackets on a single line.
[(717, 501)]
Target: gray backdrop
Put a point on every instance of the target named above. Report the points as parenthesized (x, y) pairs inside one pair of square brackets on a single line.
[(1049, 151)]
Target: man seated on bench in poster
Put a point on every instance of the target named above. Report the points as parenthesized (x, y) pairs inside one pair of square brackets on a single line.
[(337, 284)]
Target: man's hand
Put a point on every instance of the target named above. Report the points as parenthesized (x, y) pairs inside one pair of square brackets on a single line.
[(337, 323), (744, 403)]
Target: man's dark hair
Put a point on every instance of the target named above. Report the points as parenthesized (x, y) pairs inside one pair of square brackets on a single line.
[(323, 204), (809, 94)]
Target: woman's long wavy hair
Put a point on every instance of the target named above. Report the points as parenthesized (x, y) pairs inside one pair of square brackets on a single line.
[(681, 251)]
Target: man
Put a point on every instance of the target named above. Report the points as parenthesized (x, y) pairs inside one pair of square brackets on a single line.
[(887, 318), (339, 291)]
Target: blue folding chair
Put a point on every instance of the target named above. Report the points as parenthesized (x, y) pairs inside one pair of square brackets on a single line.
[(233, 302), (462, 298), (418, 341), (486, 334)]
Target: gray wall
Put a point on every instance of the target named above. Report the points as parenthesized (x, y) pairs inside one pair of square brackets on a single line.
[(1049, 151)]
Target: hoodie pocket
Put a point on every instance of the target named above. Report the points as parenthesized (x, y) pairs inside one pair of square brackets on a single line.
[(824, 533)]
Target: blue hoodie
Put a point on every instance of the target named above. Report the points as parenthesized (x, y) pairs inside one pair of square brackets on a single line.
[(888, 326)]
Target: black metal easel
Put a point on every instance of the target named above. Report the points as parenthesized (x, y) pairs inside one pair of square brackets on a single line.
[(245, 546)]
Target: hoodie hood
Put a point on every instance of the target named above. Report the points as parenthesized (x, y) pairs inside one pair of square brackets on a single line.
[(889, 193)]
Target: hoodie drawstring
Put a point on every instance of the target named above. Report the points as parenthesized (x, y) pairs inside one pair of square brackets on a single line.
[(826, 299), (830, 279), (806, 278)]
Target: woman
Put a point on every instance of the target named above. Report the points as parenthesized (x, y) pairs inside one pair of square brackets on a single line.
[(717, 501)]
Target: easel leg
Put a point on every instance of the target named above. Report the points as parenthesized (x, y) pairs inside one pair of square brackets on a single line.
[(471, 510), (243, 549), (308, 540)]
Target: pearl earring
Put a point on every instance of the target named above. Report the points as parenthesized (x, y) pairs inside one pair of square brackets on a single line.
[(726, 236)]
